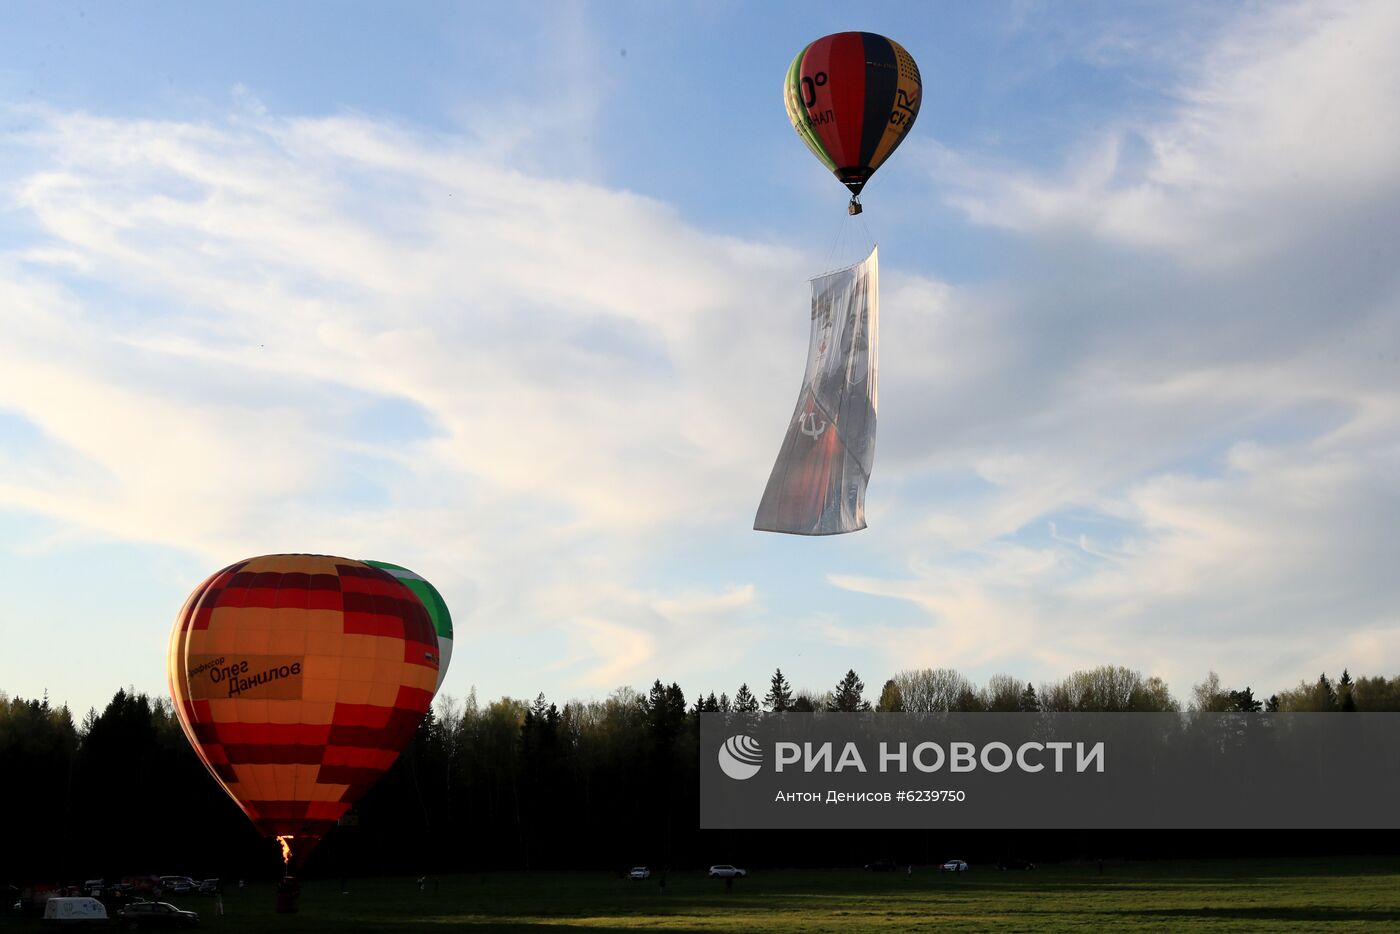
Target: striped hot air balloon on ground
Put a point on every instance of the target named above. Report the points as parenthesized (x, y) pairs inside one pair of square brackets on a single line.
[(298, 679)]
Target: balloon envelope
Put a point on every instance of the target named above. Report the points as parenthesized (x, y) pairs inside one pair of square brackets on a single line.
[(298, 679), (436, 607), (852, 98)]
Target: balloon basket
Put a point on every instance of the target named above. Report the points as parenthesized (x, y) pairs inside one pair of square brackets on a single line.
[(288, 891)]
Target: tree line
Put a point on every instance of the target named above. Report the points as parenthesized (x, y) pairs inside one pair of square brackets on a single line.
[(1106, 689), (517, 784)]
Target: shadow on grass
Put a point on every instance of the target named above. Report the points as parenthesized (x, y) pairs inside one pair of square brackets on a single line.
[(516, 927), (1315, 913)]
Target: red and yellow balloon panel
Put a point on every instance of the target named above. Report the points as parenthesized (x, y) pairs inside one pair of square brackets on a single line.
[(298, 679), (852, 98)]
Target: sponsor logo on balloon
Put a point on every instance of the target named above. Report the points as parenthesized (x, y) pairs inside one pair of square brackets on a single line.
[(740, 757), (205, 666), (266, 676)]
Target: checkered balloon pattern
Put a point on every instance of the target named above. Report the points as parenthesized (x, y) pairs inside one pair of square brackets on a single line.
[(298, 680)]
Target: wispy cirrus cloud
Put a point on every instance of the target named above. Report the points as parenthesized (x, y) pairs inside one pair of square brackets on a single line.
[(1278, 128)]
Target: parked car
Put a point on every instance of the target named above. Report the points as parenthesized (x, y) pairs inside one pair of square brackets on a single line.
[(178, 885), (156, 915), (75, 910), (1015, 864), (209, 887), (639, 872), (953, 865), (881, 865), (726, 871)]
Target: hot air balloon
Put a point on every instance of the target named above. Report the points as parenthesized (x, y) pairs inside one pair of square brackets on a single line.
[(298, 679), (852, 97), (437, 611)]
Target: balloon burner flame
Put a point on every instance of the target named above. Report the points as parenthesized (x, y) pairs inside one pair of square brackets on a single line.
[(286, 849)]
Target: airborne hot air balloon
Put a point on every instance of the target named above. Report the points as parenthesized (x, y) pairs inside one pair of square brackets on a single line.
[(436, 607), (852, 97), (298, 679)]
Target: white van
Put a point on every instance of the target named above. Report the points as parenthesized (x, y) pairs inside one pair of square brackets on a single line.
[(81, 910)]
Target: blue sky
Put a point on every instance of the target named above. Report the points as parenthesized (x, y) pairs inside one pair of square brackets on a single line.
[(517, 299)]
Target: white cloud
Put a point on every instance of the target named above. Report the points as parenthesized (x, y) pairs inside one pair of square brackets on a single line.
[(1286, 124), (1173, 441), (333, 335), (645, 634), (1165, 435), (565, 323)]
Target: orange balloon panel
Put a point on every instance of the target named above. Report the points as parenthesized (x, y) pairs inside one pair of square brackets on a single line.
[(298, 679)]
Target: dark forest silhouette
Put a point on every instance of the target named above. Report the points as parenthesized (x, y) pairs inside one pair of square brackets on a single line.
[(512, 784)]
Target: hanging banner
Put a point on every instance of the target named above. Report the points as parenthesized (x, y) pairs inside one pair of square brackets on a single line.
[(818, 483)]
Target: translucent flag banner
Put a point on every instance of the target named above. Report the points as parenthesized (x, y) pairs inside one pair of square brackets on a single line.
[(818, 483)]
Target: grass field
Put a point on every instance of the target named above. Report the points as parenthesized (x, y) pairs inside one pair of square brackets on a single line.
[(1265, 895)]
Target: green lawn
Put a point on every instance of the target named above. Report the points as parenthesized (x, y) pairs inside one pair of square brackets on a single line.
[(1264, 895)]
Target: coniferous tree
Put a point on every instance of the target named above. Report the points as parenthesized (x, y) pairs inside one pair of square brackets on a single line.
[(779, 696), (1273, 704), (1243, 701), (744, 701), (1345, 689), (1324, 694), (848, 696), (1029, 703), (968, 701), (665, 712)]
